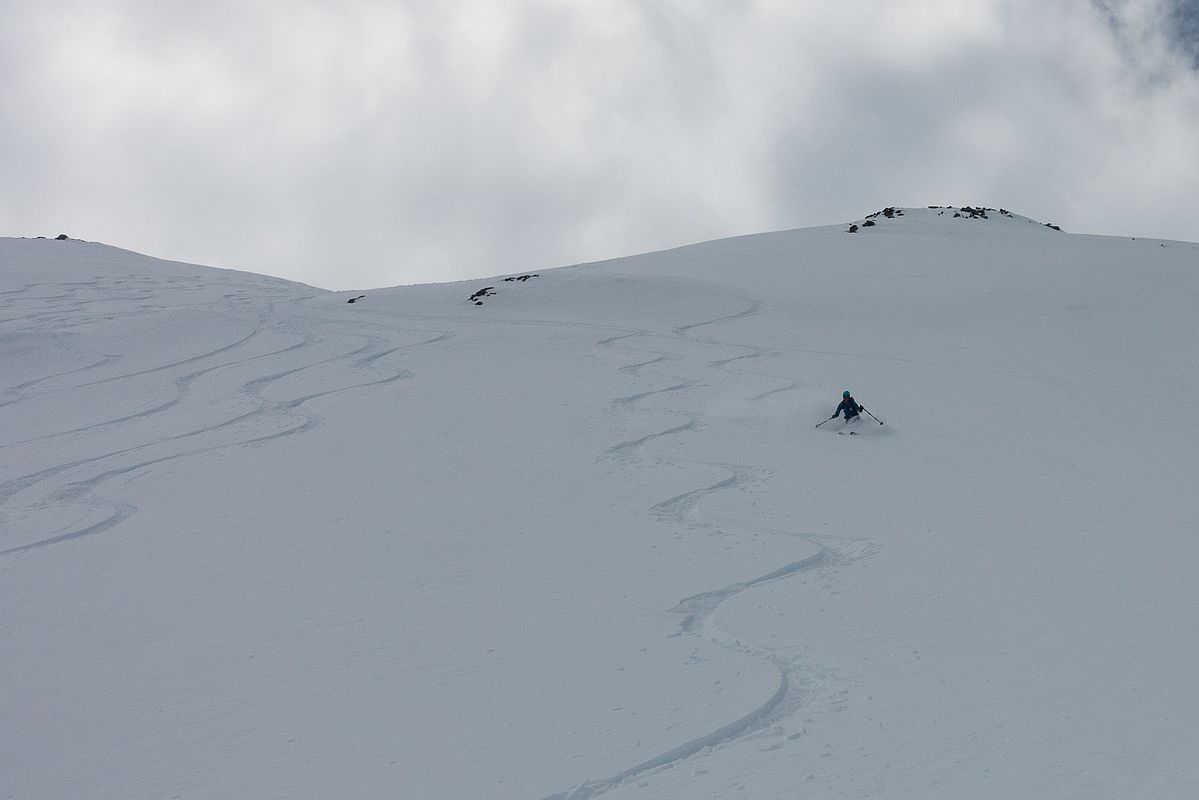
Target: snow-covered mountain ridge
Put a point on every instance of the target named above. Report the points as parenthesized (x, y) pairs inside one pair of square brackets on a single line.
[(963, 213), (584, 539)]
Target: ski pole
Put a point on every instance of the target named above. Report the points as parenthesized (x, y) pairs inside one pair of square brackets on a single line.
[(830, 419), (876, 419)]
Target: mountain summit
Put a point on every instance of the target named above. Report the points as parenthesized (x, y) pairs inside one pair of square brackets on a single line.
[(963, 213)]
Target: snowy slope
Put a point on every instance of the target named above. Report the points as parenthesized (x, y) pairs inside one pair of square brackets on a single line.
[(583, 538)]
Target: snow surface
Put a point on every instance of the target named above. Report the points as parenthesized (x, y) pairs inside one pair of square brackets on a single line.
[(584, 539)]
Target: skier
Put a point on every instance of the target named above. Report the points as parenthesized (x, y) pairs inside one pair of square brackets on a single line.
[(849, 406)]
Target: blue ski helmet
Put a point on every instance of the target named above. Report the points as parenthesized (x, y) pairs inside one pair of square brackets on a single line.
[(845, 393)]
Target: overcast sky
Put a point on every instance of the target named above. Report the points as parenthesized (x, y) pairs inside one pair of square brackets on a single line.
[(365, 143)]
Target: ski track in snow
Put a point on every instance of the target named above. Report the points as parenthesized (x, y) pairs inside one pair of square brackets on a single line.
[(243, 414), (801, 683), (229, 383)]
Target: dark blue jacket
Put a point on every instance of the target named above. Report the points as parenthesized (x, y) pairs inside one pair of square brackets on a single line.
[(850, 407)]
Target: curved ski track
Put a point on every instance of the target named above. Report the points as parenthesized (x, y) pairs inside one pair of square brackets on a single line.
[(225, 386), (230, 382), (801, 683)]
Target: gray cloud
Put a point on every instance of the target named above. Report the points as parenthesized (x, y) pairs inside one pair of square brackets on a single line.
[(1184, 24), (366, 143)]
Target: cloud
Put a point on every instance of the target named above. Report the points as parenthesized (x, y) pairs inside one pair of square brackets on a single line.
[(1184, 25), (368, 142)]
